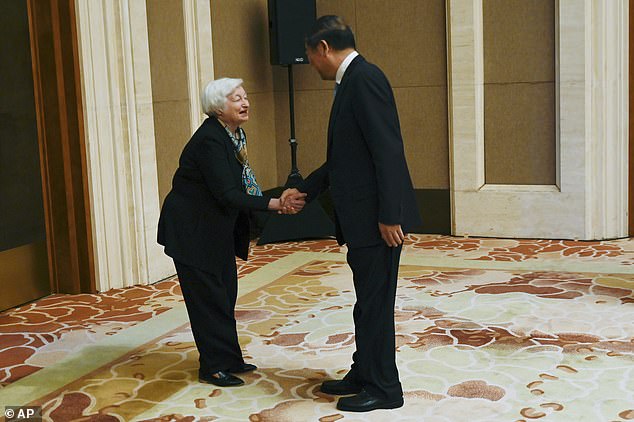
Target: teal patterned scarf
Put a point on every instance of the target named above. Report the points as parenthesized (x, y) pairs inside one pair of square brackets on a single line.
[(249, 184)]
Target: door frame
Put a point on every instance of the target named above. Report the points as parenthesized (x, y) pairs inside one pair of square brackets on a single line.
[(58, 104), (589, 201)]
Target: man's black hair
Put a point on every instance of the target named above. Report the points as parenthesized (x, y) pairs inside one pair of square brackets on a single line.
[(333, 30)]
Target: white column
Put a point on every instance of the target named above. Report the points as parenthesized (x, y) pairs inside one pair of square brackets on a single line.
[(119, 130), (606, 85), (199, 50)]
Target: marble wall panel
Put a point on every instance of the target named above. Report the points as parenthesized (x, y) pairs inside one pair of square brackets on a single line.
[(519, 95), (240, 42), (519, 133), (423, 117), (406, 39), (519, 40), (241, 50), (171, 123)]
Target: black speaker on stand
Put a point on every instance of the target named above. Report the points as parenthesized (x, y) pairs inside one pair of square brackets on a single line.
[(288, 22)]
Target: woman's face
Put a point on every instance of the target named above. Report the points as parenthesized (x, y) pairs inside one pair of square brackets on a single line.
[(236, 111)]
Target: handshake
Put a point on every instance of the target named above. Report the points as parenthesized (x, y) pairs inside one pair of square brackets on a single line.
[(291, 201)]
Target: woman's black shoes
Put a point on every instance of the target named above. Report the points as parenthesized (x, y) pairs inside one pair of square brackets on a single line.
[(225, 378), (242, 368), (220, 378)]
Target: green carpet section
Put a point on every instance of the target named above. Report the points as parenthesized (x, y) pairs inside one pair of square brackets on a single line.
[(52, 378)]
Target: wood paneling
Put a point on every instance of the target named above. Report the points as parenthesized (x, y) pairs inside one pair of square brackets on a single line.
[(25, 271), (62, 148)]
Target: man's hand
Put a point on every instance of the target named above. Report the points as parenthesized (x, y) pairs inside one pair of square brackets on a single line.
[(292, 201), (392, 234)]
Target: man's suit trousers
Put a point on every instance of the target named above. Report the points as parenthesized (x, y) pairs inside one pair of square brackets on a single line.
[(375, 274)]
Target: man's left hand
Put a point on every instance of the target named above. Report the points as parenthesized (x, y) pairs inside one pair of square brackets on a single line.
[(392, 234)]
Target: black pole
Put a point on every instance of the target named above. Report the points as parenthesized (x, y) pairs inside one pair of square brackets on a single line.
[(291, 100), (312, 222), (294, 178)]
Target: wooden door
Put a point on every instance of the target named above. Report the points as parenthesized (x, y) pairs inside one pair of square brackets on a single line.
[(45, 229), (24, 272)]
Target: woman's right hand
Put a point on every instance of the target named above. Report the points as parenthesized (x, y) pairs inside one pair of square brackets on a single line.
[(291, 202), (276, 205)]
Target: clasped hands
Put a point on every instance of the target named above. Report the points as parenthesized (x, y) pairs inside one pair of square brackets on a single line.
[(291, 201)]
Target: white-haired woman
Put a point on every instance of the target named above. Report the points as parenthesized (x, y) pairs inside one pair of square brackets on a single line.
[(204, 224)]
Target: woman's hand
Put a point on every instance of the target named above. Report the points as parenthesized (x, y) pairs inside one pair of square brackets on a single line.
[(276, 205), (291, 202)]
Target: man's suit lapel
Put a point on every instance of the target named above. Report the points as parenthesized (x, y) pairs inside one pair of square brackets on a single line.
[(341, 91)]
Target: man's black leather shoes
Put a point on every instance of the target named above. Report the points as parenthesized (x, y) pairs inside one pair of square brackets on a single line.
[(339, 387), (364, 402), (242, 368), (220, 378)]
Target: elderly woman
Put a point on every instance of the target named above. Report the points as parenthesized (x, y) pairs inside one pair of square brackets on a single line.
[(204, 224)]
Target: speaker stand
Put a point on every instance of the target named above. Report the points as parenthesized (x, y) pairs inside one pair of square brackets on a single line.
[(312, 222)]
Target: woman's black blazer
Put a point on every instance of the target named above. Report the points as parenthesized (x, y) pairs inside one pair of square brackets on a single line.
[(206, 212)]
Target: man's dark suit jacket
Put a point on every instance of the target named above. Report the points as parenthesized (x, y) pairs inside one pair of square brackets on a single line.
[(365, 166), (206, 211)]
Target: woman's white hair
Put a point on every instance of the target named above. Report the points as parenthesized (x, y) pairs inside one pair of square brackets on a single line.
[(214, 95)]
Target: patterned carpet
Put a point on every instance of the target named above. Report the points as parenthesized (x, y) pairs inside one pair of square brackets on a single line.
[(487, 330)]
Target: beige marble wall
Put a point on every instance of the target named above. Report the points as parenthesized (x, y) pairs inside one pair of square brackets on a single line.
[(240, 50), (519, 91), (408, 41), (170, 97), (386, 34), (128, 170), (176, 61)]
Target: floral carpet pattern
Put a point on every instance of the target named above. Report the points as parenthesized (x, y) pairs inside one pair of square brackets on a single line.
[(487, 330)]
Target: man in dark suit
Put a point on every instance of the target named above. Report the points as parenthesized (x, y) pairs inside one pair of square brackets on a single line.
[(374, 204)]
